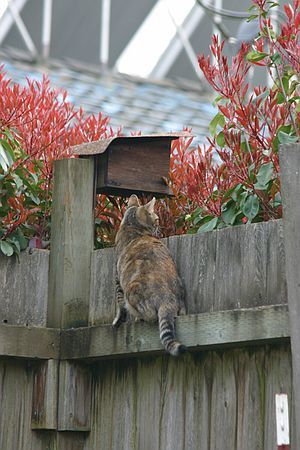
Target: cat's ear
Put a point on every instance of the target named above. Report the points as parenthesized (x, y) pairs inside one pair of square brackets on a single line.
[(133, 201), (150, 206)]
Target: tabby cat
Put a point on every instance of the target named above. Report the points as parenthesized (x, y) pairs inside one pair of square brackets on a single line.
[(147, 283)]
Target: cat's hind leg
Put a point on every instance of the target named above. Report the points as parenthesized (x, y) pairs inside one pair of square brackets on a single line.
[(121, 315)]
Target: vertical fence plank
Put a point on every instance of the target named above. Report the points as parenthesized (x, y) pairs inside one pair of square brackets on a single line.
[(195, 259), (276, 279), (223, 403), (71, 243), (290, 180), (241, 264), (44, 398), (74, 397), (103, 303), (250, 399)]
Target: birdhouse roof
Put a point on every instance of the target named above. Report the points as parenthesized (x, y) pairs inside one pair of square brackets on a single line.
[(98, 147)]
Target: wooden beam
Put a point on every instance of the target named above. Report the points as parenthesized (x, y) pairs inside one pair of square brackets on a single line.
[(197, 332), (290, 182), (72, 242), (29, 342)]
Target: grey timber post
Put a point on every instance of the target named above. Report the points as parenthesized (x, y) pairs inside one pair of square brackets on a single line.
[(71, 243), (290, 180), (62, 389)]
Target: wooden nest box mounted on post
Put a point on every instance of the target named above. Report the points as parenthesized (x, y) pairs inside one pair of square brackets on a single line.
[(132, 164)]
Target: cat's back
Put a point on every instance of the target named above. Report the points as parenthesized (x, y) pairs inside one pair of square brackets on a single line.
[(147, 259), (147, 251)]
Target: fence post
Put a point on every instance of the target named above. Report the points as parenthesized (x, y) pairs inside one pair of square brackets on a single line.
[(72, 241), (290, 181)]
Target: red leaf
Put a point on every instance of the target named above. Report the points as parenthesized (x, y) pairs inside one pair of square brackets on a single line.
[(224, 111)]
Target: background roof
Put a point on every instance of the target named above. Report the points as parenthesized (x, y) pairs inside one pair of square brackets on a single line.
[(134, 103)]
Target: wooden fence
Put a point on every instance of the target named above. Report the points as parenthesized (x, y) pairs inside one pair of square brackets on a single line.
[(68, 381)]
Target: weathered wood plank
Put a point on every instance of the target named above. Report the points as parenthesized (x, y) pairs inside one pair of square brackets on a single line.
[(74, 396), (44, 398), (242, 259), (195, 257), (249, 374), (290, 180), (102, 302), (72, 235), (24, 288), (223, 403), (69, 441), (199, 331), (27, 342), (276, 279)]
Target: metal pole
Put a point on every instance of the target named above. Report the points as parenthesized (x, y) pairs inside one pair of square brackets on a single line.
[(105, 32), (186, 44), (46, 28), (22, 28), (167, 60), (7, 20)]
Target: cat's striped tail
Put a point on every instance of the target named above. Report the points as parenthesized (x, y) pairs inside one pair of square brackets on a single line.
[(167, 333)]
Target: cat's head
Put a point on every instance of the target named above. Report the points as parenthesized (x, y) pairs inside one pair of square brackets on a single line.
[(139, 215)]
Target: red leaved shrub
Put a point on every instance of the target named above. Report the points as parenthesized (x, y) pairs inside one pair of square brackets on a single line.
[(236, 178)]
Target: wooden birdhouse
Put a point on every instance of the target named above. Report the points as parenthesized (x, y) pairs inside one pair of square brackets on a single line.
[(128, 165)]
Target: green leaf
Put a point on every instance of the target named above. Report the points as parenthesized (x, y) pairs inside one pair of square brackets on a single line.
[(9, 151), (6, 248), (286, 83), (18, 181), (256, 56), (217, 99), (251, 207), (280, 98), (23, 242), (221, 139), (230, 213), (4, 160), (285, 138), (264, 176), (219, 119), (34, 198), (236, 192), (208, 226), (276, 58), (252, 17)]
